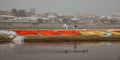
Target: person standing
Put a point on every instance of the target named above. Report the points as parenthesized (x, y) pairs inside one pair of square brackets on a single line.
[(75, 26), (65, 26)]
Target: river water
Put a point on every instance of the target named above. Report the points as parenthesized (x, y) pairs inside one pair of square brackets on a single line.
[(60, 51)]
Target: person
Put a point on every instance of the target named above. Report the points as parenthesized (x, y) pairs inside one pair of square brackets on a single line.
[(75, 26), (65, 26)]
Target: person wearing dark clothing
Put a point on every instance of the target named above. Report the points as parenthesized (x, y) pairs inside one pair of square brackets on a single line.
[(75, 26)]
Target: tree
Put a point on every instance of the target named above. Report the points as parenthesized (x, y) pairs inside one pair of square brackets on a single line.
[(21, 13), (14, 11), (2, 13), (66, 20)]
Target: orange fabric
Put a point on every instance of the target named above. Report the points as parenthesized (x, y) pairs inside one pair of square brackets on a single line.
[(25, 32), (68, 32), (116, 31), (54, 33), (47, 32)]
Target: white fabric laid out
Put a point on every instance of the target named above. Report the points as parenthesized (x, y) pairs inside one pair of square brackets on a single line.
[(8, 32)]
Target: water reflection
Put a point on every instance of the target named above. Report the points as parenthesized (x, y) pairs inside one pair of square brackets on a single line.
[(65, 47), (18, 40), (32, 48), (63, 51)]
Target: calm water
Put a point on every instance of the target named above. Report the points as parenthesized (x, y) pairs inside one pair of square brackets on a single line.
[(60, 51)]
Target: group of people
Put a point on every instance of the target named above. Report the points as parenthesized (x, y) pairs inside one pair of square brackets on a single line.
[(66, 26)]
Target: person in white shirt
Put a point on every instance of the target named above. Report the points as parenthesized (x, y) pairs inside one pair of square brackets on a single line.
[(65, 26)]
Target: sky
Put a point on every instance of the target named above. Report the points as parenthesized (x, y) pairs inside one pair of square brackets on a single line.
[(98, 7)]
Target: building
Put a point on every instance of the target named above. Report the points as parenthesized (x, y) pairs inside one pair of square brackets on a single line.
[(7, 17), (79, 16)]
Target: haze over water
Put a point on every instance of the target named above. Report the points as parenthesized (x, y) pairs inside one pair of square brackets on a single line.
[(98, 7)]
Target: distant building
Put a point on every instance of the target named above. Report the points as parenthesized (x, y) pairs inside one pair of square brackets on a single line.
[(115, 16), (111, 19), (79, 16), (7, 12), (111, 16), (50, 16), (6, 17)]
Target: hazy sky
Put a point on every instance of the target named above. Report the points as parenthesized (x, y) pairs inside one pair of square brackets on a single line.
[(98, 7)]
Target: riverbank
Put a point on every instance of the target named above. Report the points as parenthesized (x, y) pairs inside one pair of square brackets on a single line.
[(71, 38), (6, 38), (60, 35)]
